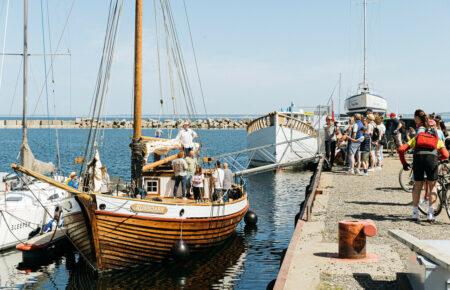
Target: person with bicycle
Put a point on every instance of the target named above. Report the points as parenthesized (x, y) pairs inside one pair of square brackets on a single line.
[(428, 148)]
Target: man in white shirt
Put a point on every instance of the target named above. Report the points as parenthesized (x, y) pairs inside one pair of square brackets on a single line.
[(186, 136), (218, 177)]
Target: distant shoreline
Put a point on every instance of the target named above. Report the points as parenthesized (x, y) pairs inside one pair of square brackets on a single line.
[(85, 123)]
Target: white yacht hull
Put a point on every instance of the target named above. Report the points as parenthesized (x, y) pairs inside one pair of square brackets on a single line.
[(21, 212), (288, 149), (362, 102)]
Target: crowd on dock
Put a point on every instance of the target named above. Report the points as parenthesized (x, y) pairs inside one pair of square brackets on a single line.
[(359, 147)]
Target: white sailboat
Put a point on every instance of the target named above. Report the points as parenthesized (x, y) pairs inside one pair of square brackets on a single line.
[(364, 100), (25, 203), (287, 135)]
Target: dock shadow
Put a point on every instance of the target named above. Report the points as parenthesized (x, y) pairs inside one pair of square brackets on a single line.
[(367, 282), (390, 188), (326, 255), (378, 217), (379, 203)]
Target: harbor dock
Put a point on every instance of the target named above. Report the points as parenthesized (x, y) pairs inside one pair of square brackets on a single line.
[(311, 261)]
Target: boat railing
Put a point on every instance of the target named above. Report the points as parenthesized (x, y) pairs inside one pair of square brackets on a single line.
[(296, 124), (261, 122)]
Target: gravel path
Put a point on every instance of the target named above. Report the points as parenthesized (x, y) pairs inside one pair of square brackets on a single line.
[(380, 198)]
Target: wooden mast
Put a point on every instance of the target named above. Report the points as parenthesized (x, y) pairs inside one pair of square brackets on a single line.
[(137, 157), (23, 154)]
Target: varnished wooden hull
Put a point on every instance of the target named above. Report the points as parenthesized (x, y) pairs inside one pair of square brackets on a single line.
[(111, 240), (125, 241)]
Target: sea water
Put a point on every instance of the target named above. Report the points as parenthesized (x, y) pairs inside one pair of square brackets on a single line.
[(248, 260)]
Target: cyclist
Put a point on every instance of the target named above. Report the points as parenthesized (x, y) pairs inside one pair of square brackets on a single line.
[(427, 148)]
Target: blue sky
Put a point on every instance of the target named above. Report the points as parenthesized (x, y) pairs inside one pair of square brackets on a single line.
[(254, 56)]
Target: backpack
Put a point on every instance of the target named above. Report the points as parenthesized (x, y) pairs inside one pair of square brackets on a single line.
[(427, 140), (376, 134)]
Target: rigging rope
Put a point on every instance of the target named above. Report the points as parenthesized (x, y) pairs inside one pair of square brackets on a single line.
[(195, 59), (4, 43), (102, 84), (53, 56), (45, 69)]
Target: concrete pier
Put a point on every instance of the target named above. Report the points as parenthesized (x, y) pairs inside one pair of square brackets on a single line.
[(311, 260)]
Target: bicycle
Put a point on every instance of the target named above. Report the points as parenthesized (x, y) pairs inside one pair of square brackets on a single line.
[(406, 179), (442, 196)]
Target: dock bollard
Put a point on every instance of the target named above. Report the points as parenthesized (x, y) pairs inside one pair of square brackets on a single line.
[(352, 238)]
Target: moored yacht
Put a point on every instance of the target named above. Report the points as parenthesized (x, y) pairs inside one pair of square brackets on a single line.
[(284, 136), (364, 100)]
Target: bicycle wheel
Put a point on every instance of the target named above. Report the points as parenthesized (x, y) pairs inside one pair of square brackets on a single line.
[(445, 197), (424, 205), (406, 180)]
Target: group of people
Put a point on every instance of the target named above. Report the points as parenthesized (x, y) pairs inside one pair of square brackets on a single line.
[(359, 143), (189, 174)]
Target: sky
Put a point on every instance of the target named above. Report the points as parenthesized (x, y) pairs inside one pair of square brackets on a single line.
[(253, 56)]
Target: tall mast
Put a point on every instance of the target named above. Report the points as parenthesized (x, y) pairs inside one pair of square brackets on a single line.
[(138, 71), (25, 84), (365, 86), (136, 146)]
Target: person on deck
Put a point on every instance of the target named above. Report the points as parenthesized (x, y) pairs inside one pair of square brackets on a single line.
[(179, 166), (331, 131), (227, 181), (198, 183), (192, 164), (428, 148), (186, 136), (72, 181), (218, 177)]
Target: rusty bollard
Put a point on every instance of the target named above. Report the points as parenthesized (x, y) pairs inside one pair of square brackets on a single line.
[(352, 238)]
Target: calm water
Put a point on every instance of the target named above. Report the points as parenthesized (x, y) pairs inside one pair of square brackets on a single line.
[(249, 260)]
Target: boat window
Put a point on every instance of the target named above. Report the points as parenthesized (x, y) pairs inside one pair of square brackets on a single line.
[(152, 185), (13, 198)]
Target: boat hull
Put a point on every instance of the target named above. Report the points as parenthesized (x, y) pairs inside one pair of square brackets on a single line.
[(283, 132), (362, 102), (121, 238)]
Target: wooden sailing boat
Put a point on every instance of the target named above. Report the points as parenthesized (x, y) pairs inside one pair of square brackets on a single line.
[(365, 100), (113, 232)]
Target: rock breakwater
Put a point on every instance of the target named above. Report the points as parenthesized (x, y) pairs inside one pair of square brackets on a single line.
[(220, 123)]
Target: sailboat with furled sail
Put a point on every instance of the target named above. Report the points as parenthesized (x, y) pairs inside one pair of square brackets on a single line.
[(114, 232), (364, 100), (27, 204)]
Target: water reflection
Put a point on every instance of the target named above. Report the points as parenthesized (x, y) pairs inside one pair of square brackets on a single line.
[(215, 269)]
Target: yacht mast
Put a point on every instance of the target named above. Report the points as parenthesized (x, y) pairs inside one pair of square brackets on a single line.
[(136, 146), (24, 145), (365, 86)]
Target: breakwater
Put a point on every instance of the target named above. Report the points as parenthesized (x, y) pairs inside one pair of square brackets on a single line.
[(216, 123)]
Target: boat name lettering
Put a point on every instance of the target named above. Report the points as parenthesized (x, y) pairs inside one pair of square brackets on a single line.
[(20, 225), (149, 208)]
